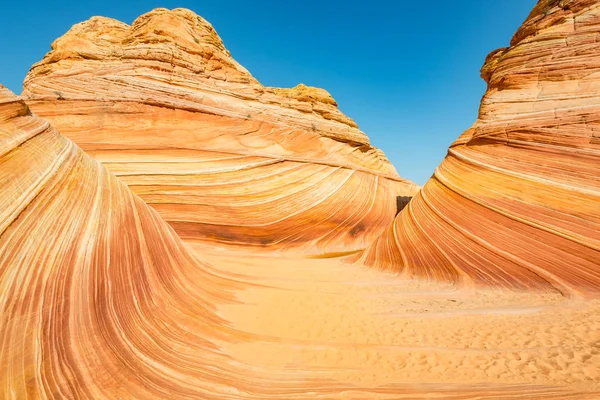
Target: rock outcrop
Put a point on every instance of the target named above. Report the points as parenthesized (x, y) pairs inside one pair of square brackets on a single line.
[(98, 292), (164, 106), (101, 300), (516, 202)]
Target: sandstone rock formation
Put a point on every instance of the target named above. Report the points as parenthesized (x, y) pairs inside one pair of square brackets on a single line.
[(101, 300), (516, 202), (97, 290), (164, 106)]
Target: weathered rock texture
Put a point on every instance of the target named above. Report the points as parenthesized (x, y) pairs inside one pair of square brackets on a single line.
[(167, 109), (516, 202)]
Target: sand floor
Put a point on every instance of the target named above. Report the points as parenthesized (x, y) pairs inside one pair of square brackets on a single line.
[(325, 319)]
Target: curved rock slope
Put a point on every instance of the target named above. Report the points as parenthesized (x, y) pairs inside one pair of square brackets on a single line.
[(100, 300), (98, 293), (516, 202), (222, 158)]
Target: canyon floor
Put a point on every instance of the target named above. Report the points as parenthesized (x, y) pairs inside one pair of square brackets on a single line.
[(379, 335)]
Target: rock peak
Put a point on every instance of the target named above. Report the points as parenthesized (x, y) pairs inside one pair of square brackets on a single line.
[(180, 43), (165, 93), (180, 27), (301, 92), (178, 36), (551, 13)]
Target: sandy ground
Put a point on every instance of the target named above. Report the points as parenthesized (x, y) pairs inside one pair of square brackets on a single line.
[(325, 318)]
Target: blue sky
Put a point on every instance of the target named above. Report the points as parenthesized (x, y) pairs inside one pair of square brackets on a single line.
[(406, 72)]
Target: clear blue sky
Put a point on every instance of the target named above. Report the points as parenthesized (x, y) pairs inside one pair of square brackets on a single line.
[(406, 71)]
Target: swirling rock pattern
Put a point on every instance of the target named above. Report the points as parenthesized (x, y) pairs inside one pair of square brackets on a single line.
[(100, 299), (91, 278), (516, 202), (164, 106)]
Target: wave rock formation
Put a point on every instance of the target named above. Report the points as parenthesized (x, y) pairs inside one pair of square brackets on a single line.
[(98, 291), (101, 300), (164, 106), (515, 203)]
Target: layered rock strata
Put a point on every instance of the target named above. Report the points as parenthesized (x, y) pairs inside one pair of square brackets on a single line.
[(98, 293), (516, 202), (101, 300), (164, 106)]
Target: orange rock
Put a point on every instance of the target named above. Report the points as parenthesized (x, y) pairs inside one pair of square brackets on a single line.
[(222, 158), (100, 299), (91, 278), (516, 202)]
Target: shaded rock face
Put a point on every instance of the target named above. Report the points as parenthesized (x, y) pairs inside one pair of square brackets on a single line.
[(401, 203), (164, 106), (516, 202), (94, 281)]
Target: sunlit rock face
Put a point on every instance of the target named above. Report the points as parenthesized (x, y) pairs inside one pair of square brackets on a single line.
[(516, 202), (164, 106), (100, 299), (98, 293)]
